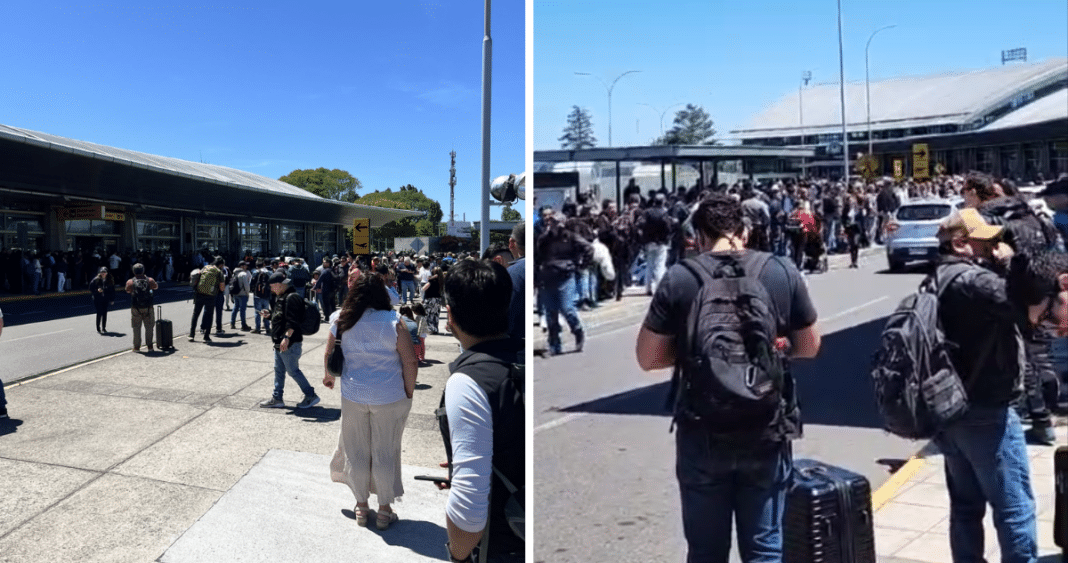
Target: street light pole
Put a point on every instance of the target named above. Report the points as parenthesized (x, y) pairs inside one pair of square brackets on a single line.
[(609, 89), (662, 113), (867, 81), (805, 77), (841, 84), (487, 80)]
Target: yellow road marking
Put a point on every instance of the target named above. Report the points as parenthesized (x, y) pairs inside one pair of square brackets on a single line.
[(883, 494)]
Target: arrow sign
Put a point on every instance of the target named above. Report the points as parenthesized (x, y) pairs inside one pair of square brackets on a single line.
[(364, 245), (921, 166), (361, 236), (358, 227)]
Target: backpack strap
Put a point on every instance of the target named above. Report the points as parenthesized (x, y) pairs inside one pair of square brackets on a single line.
[(940, 287)]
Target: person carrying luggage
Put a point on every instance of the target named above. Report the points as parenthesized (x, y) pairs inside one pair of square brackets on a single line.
[(734, 406)]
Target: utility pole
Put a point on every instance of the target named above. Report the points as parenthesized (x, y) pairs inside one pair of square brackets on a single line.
[(487, 79), (452, 186)]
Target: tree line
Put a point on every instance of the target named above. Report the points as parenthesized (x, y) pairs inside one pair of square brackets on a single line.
[(691, 126)]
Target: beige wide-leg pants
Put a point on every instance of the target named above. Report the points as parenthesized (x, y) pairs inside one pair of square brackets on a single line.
[(368, 450)]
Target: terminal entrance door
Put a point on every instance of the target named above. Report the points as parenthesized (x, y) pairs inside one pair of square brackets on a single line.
[(90, 243)]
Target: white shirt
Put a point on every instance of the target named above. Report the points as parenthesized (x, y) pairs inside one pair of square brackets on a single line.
[(471, 434), (424, 276), (372, 374), (114, 261)]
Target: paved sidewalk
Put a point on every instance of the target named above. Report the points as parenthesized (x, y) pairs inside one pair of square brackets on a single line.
[(166, 457), (913, 526)]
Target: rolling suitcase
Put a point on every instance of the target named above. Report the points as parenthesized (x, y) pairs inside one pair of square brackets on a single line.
[(1060, 501), (828, 516), (164, 331)]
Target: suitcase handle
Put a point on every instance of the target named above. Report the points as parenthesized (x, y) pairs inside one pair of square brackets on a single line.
[(807, 472), (159, 311)]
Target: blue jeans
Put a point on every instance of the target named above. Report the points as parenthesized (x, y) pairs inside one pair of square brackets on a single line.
[(289, 362), (986, 463), (260, 304), (830, 233), (556, 299), (716, 484), (240, 308), (408, 291), (582, 285), (3, 397), (656, 265)]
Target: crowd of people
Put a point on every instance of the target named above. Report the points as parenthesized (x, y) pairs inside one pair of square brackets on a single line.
[(589, 251)]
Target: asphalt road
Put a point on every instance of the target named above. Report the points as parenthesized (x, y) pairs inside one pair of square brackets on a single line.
[(604, 460), (42, 335)]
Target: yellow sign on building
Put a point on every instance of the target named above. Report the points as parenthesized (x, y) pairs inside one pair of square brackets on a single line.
[(921, 161), (361, 236), (899, 169)]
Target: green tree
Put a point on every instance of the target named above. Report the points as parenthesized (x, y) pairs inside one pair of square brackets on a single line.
[(579, 131), (509, 214), (692, 126), (407, 197), (330, 184)]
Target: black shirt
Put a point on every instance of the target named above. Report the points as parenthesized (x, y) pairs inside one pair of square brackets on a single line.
[(287, 311), (793, 308)]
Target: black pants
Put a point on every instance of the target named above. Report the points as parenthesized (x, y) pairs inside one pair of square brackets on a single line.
[(328, 303), (101, 315), (207, 304), (1039, 378)]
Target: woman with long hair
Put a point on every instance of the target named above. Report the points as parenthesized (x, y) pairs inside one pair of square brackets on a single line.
[(377, 385), (432, 299)]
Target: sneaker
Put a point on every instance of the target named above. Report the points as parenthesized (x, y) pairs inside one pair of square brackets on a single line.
[(580, 340), (255, 331), (1040, 435), (272, 403), (207, 338), (232, 326), (246, 328), (219, 332), (308, 402), (3, 413)]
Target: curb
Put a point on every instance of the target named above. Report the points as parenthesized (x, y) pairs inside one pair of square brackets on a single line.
[(64, 369), (881, 496)]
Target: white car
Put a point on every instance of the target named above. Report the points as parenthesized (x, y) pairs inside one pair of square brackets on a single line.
[(912, 233)]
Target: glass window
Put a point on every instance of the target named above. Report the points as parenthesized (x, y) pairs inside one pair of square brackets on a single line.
[(211, 235), (11, 223), (253, 237), (984, 159), (925, 212), (157, 229), (291, 238), (1058, 158), (1010, 162)]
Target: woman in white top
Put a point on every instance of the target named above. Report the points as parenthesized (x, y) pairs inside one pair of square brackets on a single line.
[(377, 385)]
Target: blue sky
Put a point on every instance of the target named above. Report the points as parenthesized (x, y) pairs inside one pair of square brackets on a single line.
[(735, 57), (382, 89)]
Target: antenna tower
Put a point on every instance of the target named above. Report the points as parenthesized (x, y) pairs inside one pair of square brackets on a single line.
[(452, 187)]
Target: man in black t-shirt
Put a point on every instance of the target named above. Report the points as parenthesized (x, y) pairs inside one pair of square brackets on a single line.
[(752, 476)]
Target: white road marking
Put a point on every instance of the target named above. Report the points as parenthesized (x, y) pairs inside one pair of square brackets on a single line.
[(854, 309), (36, 335), (559, 422)]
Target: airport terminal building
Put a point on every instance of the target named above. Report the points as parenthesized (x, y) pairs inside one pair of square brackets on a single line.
[(62, 194), (1010, 121)]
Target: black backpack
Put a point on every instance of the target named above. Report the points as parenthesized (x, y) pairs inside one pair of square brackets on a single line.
[(729, 376), (1028, 233), (504, 384), (260, 287), (141, 294), (655, 226), (235, 284), (917, 387), (312, 318)]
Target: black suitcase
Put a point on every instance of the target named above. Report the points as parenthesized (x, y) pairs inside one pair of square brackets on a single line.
[(828, 516), (1060, 501), (164, 331)]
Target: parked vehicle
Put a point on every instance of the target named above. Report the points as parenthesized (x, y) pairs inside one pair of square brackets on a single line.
[(912, 233)]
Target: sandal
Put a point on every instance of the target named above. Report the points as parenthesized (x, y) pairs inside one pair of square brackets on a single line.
[(384, 519), (361, 515)]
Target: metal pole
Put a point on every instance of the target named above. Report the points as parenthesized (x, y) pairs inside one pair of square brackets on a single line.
[(487, 74), (609, 89), (841, 84), (867, 81)]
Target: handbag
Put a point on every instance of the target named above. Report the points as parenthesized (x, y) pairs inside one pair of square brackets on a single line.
[(336, 364)]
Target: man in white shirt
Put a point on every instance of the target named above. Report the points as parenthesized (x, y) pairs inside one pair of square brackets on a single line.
[(484, 428)]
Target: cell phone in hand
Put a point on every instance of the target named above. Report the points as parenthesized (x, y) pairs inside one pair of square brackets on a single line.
[(436, 480)]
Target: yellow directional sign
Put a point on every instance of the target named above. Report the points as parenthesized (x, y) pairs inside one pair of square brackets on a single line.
[(921, 161), (361, 236), (868, 165), (899, 169)]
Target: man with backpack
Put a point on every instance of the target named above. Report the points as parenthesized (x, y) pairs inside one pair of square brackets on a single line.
[(207, 283), (726, 321), (1026, 233), (140, 288), (482, 418), (299, 276), (287, 315), (240, 287), (984, 448), (261, 295)]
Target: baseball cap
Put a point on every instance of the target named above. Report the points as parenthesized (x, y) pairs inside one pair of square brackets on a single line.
[(277, 277), (967, 223)]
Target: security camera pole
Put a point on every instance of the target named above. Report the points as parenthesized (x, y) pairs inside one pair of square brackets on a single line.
[(487, 73)]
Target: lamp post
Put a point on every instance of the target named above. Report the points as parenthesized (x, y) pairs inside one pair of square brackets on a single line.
[(805, 77), (662, 113), (609, 89), (841, 86), (487, 83), (867, 81)]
